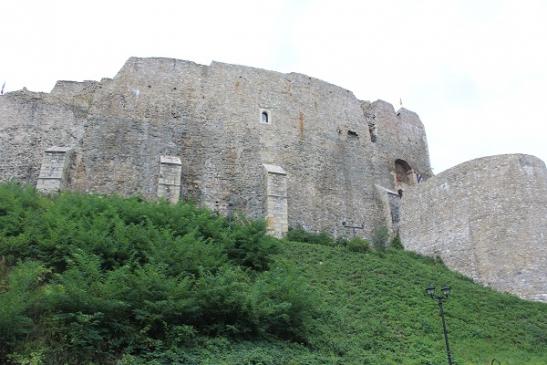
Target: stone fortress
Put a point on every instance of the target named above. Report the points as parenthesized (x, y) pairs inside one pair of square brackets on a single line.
[(287, 147)]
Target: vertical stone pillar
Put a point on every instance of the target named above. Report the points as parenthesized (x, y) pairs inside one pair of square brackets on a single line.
[(169, 180), (276, 200), (54, 170), (394, 200), (390, 203)]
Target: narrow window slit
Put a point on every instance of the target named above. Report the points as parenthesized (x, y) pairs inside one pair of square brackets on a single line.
[(265, 117)]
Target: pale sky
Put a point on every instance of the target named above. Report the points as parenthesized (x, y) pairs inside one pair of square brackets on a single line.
[(475, 71)]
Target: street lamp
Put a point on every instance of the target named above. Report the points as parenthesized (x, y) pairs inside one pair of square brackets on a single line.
[(440, 299)]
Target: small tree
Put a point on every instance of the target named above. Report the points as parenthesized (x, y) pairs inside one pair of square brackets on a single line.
[(396, 243)]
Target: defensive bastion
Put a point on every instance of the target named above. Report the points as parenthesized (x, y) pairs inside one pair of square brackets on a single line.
[(487, 219), (293, 149)]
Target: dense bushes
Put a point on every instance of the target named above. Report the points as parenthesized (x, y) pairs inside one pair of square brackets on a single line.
[(356, 244), (299, 234), (380, 240), (88, 278)]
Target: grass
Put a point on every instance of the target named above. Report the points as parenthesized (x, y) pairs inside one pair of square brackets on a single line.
[(123, 281), (373, 310)]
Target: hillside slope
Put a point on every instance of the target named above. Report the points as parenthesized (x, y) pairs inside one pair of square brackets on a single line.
[(372, 310), (105, 280)]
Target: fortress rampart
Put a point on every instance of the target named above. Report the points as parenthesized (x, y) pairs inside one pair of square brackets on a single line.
[(487, 219), (287, 147), (224, 123)]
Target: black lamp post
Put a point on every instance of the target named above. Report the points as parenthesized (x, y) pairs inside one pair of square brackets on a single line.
[(440, 299)]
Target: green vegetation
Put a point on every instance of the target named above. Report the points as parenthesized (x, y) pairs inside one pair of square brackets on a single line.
[(355, 244), (95, 280), (89, 278)]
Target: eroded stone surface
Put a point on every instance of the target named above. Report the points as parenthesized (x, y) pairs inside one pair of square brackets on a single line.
[(487, 219), (210, 116)]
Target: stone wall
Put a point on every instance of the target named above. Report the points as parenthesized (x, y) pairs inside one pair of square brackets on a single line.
[(210, 117), (487, 219), (289, 148), (399, 136), (31, 123)]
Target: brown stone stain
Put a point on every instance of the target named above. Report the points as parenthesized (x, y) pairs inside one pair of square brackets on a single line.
[(231, 155)]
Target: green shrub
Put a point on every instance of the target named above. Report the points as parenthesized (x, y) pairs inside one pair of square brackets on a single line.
[(396, 243), (20, 288), (106, 275), (380, 238), (355, 244), (341, 241), (299, 234), (283, 303), (358, 244), (248, 244)]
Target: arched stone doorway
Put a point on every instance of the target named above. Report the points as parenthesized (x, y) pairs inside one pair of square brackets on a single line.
[(404, 175)]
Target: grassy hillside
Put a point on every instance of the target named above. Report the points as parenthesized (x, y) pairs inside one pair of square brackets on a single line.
[(373, 310), (96, 280)]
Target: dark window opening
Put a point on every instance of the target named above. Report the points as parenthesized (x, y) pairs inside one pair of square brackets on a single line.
[(264, 117), (404, 175), (372, 132)]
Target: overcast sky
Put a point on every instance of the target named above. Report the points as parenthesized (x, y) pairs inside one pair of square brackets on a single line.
[(475, 71)]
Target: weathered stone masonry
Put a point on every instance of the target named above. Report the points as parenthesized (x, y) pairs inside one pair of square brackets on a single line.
[(286, 147), (169, 179), (224, 123), (487, 219), (54, 170)]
